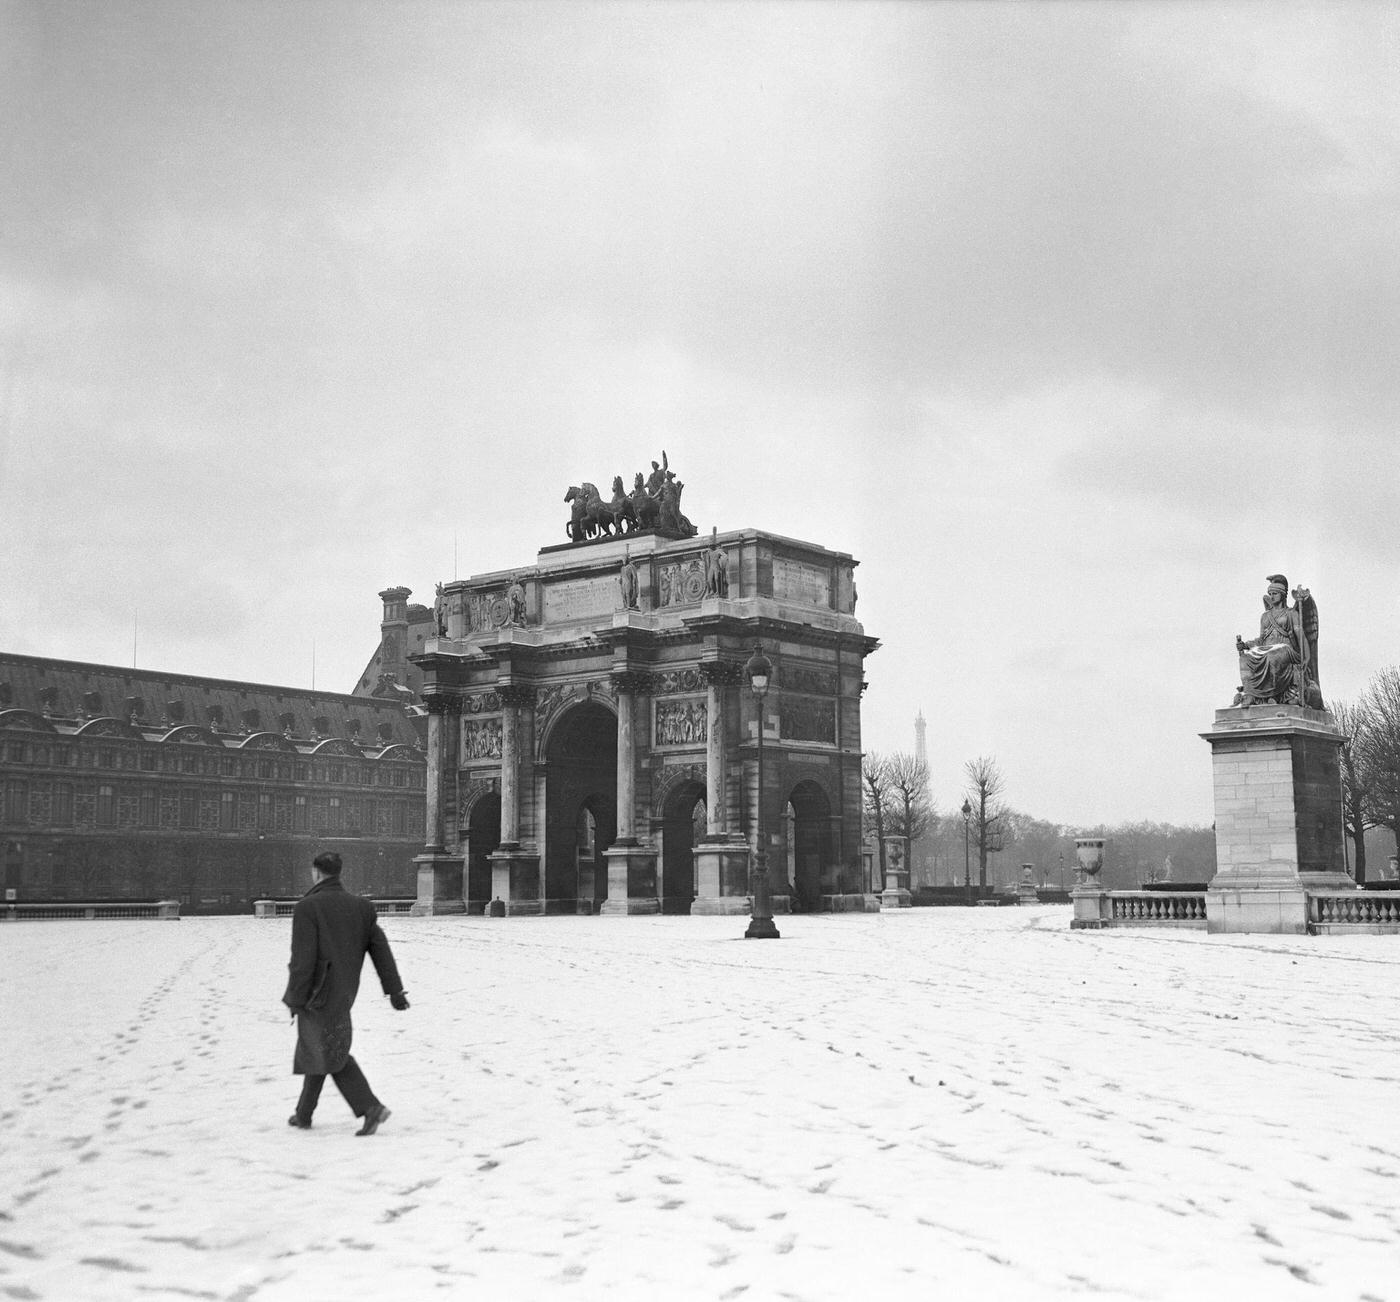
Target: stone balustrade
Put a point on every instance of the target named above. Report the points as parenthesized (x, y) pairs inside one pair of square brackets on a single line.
[(1353, 911), (82, 911), (283, 908), (1157, 909)]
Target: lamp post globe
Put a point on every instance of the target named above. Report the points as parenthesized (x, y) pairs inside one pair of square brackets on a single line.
[(758, 669), (967, 861)]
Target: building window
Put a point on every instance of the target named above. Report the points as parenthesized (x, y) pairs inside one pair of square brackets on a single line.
[(299, 814), (41, 754), (14, 752), (228, 810), (149, 805), (148, 760), (264, 809), (337, 773), (189, 808), (189, 763), (106, 758), (63, 804), (400, 818), (16, 802), (335, 822), (264, 768), (318, 813), (106, 806)]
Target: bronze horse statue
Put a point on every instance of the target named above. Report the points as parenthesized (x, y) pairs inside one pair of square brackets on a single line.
[(646, 509), (589, 516), (620, 508)]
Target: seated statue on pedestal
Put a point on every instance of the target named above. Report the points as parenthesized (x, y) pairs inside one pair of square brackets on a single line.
[(1279, 667)]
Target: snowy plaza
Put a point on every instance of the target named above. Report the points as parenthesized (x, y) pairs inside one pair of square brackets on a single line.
[(931, 1103)]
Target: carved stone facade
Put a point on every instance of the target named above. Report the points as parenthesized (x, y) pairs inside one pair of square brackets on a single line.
[(608, 750)]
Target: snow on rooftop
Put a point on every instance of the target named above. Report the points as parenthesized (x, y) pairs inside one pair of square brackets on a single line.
[(933, 1103)]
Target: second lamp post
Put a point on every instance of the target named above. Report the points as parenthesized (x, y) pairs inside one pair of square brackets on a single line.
[(759, 670)]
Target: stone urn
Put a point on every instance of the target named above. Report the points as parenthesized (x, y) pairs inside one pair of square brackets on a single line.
[(1028, 874), (1089, 850)]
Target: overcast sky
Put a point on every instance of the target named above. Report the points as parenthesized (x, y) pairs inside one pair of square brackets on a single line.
[(1069, 322)]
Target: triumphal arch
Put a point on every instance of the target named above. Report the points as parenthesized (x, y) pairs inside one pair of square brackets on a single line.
[(593, 741)]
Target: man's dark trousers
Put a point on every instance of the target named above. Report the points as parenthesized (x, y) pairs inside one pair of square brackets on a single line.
[(349, 1080)]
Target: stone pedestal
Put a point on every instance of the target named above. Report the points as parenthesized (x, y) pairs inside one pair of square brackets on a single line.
[(1278, 817), (895, 897), (439, 885), (1091, 907), (721, 875), (515, 881), (631, 881)]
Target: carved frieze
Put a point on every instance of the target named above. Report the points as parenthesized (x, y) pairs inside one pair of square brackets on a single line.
[(481, 703), (681, 723), (804, 718), (721, 673), (804, 678), (682, 583), (670, 681), (481, 739), (518, 695)]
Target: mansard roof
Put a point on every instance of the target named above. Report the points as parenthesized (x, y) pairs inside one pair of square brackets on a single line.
[(73, 697)]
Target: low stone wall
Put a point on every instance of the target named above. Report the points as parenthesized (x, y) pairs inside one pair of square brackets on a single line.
[(283, 908), (162, 909), (1338, 912), (1329, 912)]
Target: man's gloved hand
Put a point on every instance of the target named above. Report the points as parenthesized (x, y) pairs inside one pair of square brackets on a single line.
[(399, 1001)]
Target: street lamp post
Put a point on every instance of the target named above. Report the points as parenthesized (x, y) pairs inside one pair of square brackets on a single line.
[(759, 670), (967, 857)]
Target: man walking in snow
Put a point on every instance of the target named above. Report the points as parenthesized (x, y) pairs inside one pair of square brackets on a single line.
[(332, 931)]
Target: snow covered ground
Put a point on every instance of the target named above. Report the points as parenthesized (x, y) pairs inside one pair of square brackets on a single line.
[(933, 1103)]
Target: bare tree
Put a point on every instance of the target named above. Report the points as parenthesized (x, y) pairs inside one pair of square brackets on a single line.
[(912, 811), (1378, 747), (876, 793), (1354, 720), (985, 788)]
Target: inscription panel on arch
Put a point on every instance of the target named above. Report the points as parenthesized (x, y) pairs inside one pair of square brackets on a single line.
[(808, 585), (580, 599)]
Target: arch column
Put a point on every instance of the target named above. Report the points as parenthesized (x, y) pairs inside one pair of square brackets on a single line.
[(440, 880), (632, 886), (515, 867), (722, 858)]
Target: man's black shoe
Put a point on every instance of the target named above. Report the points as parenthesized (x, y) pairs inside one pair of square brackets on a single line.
[(374, 1118), (300, 1122)]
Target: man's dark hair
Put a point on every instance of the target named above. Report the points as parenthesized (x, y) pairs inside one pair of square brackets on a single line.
[(327, 862)]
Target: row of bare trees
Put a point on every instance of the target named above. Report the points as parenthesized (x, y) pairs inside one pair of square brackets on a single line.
[(1371, 760), (899, 804)]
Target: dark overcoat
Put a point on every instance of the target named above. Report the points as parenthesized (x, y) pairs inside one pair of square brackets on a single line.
[(332, 931)]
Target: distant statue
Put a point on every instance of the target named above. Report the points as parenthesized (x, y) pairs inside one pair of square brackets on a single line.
[(630, 582), (716, 568), (1279, 667), (440, 612), (515, 600)]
